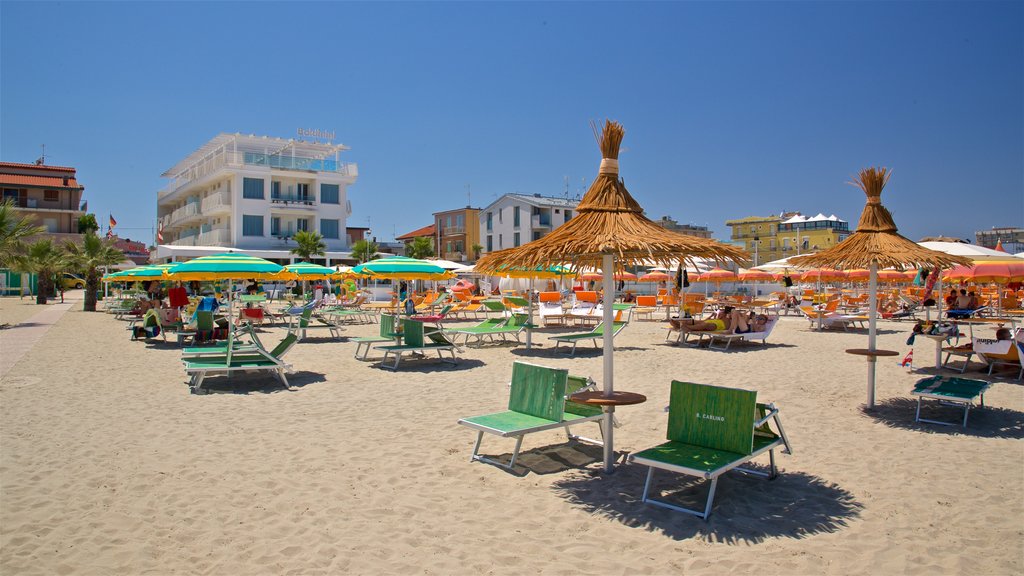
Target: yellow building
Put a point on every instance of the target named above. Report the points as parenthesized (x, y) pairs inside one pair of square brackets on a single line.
[(457, 231), (770, 238)]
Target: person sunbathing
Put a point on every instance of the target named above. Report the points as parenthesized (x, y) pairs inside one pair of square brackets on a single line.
[(729, 320)]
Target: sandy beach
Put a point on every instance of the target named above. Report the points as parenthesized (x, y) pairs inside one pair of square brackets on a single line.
[(108, 465)]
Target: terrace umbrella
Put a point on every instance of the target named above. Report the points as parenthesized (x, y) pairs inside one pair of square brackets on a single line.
[(610, 231), (876, 243)]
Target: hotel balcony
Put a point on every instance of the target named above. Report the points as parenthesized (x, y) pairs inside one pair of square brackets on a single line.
[(215, 237), (237, 159), (293, 201), (453, 230), (541, 221), (184, 213), (216, 203)]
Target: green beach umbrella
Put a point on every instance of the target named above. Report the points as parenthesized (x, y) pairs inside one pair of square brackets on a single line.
[(403, 268), (306, 271), (226, 266)]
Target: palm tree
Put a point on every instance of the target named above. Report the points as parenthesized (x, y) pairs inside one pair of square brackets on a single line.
[(13, 230), (420, 248), (364, 250), (93, 254), (308, 244), (476, 248), (44, 260)]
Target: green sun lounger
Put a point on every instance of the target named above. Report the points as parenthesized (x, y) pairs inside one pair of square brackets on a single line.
[(950, 391), (594, 335), (501, 327), (537, 401), (712, 430), (386, 334), (417, 340), (258, 360), (235, 344)]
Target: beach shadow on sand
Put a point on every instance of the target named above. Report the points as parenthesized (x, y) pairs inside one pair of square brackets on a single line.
[(431, 364), (987, 422), (549, 350), (264, 383), (552, 459), (746, 509)]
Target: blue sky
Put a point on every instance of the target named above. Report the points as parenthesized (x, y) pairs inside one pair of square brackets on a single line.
[(731, 109)]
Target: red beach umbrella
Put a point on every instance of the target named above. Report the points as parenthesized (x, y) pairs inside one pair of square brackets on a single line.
[(717, 276), (655, 277), (755, 276)]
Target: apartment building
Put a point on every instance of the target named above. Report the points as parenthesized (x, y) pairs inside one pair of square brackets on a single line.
[(254, 193), (515, 219), (50, 195), (1010, 239), (770, 238), (688, 229), (457, 231)]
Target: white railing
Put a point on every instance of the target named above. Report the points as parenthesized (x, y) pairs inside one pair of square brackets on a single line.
[(215, 237), (215, 202), (185, 241), (222, 157), (450, 230), (187, 211)]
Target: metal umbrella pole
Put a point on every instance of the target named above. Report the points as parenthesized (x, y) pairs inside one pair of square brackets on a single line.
[(872, 328), (609, 387)]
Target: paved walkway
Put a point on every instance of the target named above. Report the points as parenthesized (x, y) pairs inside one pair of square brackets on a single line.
[(16, 341)]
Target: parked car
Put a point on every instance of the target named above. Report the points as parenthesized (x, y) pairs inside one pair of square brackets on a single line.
[(72, 281)]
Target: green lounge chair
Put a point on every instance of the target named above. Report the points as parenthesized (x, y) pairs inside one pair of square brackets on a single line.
[(594, 335), (236, 346), (257, 360), (387, 334), (537, 401), (417, 340), (502, 327), (712, 430), (950, 391)]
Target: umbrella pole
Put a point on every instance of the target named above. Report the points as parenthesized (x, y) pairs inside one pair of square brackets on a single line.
[(872, 329), (529, 315), (609, 329)]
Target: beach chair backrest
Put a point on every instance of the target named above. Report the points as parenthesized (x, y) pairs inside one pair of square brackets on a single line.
[(387, 325), (151, 319), (304, 318), (573, 385), (550, 297), (412, 332), (647, 301), (495, 305), (584, 296), (538, 390), (284, 346), (712, 416), (204, 320), (516, 320)]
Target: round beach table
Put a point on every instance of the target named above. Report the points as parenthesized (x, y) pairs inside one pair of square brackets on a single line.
[(608, 404), (938, 339)]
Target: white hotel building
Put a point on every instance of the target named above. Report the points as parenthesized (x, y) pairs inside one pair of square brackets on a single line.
[(515, 219), (253, 193)]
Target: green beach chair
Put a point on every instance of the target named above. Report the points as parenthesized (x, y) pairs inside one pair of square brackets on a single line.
[(712, 430), (236, 345), (248, 360), (386, 334), (537, 401), (417, 340), (950, 391), (492, 327), (594, 335)]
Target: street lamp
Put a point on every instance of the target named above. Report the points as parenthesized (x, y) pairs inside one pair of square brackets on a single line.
[(757, 241)]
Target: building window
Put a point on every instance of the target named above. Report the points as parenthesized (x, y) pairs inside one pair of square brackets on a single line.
[(252, 225), (302, 224), (490, 225), (537, 235), (568, 215), (515, 240), (448, 249), (501, 243), (490, 241), (275, 190), (302, 191), (252, 188), (499, 221), (329, 228), (459, 220), (329, 194), (275, 226), (515, 219), (448, 219), (458, 246), (51, 195)]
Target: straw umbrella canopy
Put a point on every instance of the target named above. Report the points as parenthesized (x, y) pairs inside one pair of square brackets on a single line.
[(610, 231), (876, 244)]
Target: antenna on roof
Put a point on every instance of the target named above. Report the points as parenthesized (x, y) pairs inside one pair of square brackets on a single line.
[(566, 187), (469, 199), (42, 159)]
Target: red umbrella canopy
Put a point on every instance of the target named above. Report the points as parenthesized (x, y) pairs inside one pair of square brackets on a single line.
[(755, 276), (890, 276), (822, 275), (717, 275), (1001, 272), (591, 277), (625, 276), (655, 277)]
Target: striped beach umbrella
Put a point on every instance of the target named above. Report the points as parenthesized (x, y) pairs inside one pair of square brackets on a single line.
[(1000, 272), (402, 268), (226, 266), (306, 271), (140, 273)]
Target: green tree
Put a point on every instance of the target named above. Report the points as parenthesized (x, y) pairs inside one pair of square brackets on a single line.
[(87, 223), (93, 254), (308, 244), (14, 229), (364, 250), (477, 249), (43, 259), (419, 248)]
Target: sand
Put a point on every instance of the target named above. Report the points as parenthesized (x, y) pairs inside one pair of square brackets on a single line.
[(109, 465)]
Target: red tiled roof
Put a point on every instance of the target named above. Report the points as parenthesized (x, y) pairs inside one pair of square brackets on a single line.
[(425, 231), (41, 181), (37, 166)]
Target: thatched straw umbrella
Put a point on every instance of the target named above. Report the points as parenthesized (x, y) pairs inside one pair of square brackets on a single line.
[(876, 244), (610, 231)]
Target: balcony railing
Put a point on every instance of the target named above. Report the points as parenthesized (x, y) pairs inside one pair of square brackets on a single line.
[(187, 211), (216, 202), (290, 199), (541, 221), (215, 237), (221, 158), (452, 230)]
